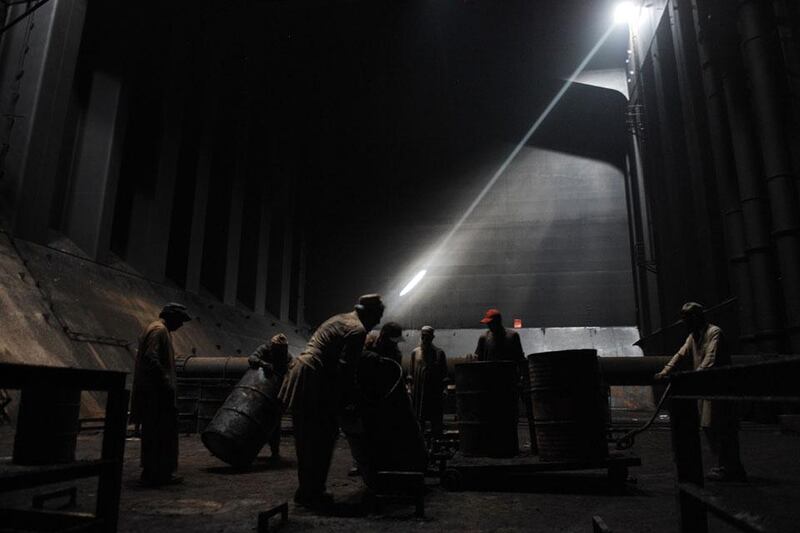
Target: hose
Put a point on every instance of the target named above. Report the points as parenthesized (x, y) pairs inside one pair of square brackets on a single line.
[(626, 441)]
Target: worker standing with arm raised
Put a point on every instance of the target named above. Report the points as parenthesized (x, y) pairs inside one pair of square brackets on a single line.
[(707, 348)]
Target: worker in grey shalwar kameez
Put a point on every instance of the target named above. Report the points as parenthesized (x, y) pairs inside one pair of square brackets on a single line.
[(315, 388), (428, 371), (706, 347), (154, 402)]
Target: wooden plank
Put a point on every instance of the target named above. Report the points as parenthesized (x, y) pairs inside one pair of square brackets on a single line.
[(110, 482), (14, 477), (40, 520), (531, 464), (767, 381), (745, 521), (688, 463), (16, 376)]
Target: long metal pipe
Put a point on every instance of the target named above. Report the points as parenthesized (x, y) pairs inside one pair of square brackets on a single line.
[(756, 32), (640, 370), (727, 187), (755, 206), (615, 370)]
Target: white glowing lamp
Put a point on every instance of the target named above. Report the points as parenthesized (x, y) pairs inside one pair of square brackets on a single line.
[(413, 283), (625, 13)]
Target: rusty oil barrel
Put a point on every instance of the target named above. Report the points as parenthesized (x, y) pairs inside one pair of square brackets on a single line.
[(383, 432), (246, 419), (568, 405), (47, 426), (486, 402)]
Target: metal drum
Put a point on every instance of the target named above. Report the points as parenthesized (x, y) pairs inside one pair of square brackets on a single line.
[(245, 421), (486, 401), (47, 426), (568, 405), (383, 432), (212, 396)]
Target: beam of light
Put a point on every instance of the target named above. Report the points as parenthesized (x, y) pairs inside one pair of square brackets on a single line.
[(625, 13), (507, 161), (413, 283)]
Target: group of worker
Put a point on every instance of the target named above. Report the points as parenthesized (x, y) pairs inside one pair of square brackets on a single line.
[(319, 385)]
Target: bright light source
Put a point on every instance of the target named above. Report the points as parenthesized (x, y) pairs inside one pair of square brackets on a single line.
[(413, 283), (625, 13)]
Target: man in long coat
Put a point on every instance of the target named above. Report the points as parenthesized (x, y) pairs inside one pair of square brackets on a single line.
[(428, 370), (501, 344), (314, 389), (274, 359), (707, 349), (153, 403)]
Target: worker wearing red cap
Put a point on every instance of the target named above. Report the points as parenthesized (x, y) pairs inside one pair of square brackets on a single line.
[(501, 344)]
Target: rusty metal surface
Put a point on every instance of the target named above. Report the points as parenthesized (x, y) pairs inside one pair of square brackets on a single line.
[(487, 396), (246, 419), (569, 406)]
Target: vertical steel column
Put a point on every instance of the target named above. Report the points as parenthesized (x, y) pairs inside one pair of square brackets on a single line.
[(262, 260), (93, 185), (688, 459), (205, 149), (301, 281), (700, 166), (49, 41), (151, 213), (756, 32), (727, 187), (787, 16), (288, 252), (755, 207)]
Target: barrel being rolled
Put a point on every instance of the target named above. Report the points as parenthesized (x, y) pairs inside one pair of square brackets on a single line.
[(47, 425), (486, 401), (568, 405), (247, 418)]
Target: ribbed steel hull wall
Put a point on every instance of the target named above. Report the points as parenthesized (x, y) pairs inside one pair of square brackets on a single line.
[(568, 405), (486, 397), (245, 421), (47, 426)]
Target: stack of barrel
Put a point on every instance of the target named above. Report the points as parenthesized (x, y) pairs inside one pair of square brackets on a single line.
[(569, 405)]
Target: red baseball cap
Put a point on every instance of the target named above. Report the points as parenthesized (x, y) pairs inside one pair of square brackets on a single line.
[(491, 315)]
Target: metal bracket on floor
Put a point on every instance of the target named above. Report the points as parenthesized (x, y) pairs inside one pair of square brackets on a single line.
[(263, 518)]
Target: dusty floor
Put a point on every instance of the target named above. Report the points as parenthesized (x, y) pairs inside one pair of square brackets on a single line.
[(215, 498)]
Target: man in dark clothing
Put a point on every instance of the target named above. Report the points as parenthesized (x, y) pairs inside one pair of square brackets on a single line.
[(386, 341), (153, 402), (313, 391), (706, 348), (274, 359), (428, 370), (501, 344)]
